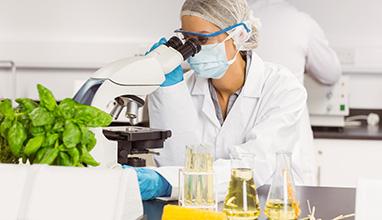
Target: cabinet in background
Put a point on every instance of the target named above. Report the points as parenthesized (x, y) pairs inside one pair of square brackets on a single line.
[(342, 162)]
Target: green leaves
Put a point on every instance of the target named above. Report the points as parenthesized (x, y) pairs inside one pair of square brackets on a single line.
[(87, 158), (5, 125), (6, 155), (65, 159), (40, 116), (71, 135), (47, 99), (40, 154), (75, 155), (49, 133), (6, 109), (49, 156), (59, 125), (92, 117), (27, 105), (33, 145), (67, 108), (50, 140), (88, 139), (37, 131), (16, 137)]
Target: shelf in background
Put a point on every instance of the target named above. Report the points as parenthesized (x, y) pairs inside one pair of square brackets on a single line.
[(355, 70)]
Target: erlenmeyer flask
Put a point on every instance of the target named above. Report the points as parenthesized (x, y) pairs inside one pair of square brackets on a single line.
[(241, 201), (282, 203)]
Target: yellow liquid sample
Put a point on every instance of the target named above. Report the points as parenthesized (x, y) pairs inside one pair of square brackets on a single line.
[(275, 210), (241, 201), (198, 190), (198, 179)]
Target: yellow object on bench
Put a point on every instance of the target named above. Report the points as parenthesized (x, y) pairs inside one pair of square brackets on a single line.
[(174, 212)]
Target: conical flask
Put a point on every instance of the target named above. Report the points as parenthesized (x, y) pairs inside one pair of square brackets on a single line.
[(282, 203), (241, 201)]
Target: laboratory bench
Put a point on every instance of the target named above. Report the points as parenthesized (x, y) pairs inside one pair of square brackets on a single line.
[(363, 132), (329, 202)]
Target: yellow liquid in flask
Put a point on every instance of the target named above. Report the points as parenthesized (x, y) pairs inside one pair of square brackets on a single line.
[(276, 210), (241, 201)]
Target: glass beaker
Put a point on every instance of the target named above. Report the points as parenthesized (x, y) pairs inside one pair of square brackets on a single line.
[(241, 201), (282, 203), (196, 179)]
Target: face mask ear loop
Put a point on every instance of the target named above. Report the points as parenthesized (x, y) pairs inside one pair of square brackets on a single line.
[(223, 42), (231, 61), (227, 38)]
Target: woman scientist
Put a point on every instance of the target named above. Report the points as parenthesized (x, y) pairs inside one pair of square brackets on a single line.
[(231, 100)]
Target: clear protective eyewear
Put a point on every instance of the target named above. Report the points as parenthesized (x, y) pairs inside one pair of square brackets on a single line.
[(204, 38)]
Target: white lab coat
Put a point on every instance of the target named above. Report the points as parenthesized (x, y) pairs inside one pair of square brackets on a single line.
[(294, 39), (265, 118)]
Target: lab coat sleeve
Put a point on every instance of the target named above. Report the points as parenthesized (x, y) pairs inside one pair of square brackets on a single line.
[(276, 129), (169, 107), (321, 60)]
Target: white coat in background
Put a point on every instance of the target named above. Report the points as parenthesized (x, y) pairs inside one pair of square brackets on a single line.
[(265, 118), (294, 39)]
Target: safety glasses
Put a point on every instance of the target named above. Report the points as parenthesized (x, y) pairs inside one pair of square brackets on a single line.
[(204, 38)]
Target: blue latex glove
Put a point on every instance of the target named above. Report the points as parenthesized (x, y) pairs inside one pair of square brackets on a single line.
[(151, 183), (172, 77)]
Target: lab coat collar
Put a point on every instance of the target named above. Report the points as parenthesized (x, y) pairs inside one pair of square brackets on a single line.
[(200, 86), (201, 89), (255, 78), (253, 83)]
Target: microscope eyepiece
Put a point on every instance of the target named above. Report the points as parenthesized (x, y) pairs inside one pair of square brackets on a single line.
[(174, 42), (190, 48)]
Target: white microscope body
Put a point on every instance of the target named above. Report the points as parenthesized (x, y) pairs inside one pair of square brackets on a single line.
[(136, 76)]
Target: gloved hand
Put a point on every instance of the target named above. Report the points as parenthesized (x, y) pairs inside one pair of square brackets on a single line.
[(151, 184), (172, 77)]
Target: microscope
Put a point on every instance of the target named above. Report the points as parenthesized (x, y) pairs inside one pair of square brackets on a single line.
[(120, 88)]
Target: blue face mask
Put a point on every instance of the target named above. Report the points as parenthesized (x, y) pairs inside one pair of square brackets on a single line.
[(211, 61)]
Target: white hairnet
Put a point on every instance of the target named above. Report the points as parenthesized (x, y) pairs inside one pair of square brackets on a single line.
[(224, 13)]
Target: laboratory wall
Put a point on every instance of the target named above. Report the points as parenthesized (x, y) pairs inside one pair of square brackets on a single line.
[(62, 42), (354, 30)]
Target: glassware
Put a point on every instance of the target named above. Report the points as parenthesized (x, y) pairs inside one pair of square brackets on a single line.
[(282, 203), (241, 201), (196, 180)]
